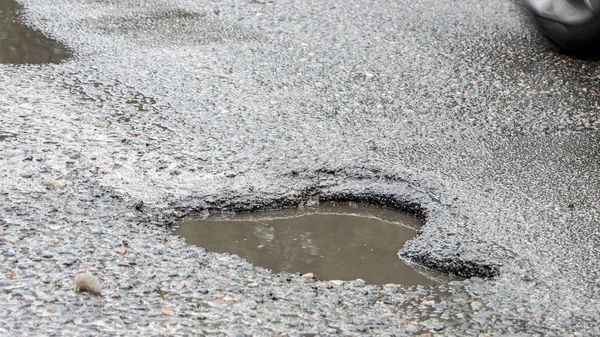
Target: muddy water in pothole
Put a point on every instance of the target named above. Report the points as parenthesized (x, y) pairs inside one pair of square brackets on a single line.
[(20, 44), (341, 242)]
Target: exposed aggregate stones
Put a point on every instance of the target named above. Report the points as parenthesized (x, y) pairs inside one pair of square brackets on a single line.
[(88, 282), (178, 107)]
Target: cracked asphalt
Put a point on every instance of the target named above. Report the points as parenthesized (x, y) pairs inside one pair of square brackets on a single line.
[(457, 110)]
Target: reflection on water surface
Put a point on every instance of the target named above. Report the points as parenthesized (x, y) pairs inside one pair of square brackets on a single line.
[(20, 44), (334, 242)]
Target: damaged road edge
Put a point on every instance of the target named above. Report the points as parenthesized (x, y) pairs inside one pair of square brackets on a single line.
[(449, 262)]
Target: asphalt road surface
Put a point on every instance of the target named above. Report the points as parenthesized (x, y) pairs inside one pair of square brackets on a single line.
[(457, 110)]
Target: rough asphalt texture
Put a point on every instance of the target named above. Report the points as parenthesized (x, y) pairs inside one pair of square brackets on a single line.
[(456, 109)]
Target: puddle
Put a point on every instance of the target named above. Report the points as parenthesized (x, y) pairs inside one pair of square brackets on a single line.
[(20, 44), (342, 242)]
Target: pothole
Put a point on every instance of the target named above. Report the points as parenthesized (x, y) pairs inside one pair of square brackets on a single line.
[(20, 44), (335, 242)]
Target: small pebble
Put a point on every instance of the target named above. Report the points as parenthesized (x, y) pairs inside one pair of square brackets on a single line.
[(121, 250), (88, 282), (168, 312), (476, 305)]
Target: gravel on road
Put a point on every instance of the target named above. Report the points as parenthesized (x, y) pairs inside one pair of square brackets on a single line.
[(458, 111)]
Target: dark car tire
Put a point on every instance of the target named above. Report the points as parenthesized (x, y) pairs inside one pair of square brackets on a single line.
[(581, 38)]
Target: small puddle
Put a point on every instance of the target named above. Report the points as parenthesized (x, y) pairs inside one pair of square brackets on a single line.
[(342, 242), (20, 44)]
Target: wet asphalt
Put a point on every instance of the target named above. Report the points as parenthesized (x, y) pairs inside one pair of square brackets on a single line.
[(458, 111)]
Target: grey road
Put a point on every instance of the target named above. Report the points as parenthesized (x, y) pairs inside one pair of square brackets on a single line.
[(456, 109)]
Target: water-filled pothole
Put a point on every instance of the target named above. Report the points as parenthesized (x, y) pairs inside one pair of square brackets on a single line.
[(20, 44), (341, 242)]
